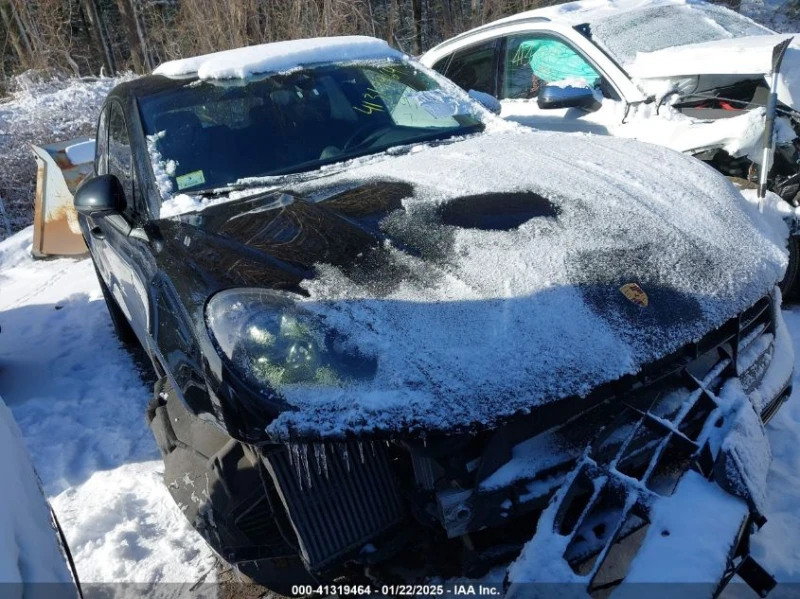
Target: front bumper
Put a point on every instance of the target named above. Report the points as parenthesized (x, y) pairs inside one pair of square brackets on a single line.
[(672, 489), (659, 478)]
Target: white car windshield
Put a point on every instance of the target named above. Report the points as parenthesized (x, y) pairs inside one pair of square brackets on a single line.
[(649, 29)]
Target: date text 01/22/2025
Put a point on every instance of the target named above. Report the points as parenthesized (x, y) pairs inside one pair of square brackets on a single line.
[(398, 590)]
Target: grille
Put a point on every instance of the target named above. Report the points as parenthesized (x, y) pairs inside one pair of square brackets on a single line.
[(339, 496)]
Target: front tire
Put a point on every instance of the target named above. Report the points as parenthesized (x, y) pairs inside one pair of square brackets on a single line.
[(122, 327)]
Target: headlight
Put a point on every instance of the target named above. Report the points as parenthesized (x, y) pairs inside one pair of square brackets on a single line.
[(270, 340)]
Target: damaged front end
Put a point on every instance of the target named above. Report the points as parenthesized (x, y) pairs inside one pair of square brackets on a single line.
[(735, 149), (602, 491)]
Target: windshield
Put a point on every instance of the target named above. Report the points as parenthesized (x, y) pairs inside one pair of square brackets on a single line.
[(209, 135), (651, 29)]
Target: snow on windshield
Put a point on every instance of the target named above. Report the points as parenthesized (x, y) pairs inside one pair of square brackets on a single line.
[(207, 139), (648, 29)]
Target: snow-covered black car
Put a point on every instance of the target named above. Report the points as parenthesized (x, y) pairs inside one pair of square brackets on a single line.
[(395, 332)]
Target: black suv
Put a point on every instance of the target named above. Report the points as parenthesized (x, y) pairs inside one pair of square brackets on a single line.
[(393, 332)]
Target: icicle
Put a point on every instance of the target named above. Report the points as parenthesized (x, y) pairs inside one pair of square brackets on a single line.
[(296, 462), (321, 455), (317, 459), (372, 445), (306, 467), (342, 447), (361, 450)]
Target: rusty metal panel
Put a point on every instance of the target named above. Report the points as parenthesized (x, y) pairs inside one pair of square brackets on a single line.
[(55, 223)]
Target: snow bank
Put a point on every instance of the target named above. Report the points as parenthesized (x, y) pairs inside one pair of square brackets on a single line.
[(278, 57), (780, 15), (29, 548), (80, 401)]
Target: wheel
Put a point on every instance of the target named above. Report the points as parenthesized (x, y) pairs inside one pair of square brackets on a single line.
[(789, 285), (121, 325)]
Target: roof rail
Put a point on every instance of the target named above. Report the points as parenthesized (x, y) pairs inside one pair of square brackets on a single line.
[(494, 25)]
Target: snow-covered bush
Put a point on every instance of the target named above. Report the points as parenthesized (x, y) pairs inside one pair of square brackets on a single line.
[(780, 15)]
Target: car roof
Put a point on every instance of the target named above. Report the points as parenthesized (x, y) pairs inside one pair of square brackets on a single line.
[(570, 14), (278, 57), (586, 11)]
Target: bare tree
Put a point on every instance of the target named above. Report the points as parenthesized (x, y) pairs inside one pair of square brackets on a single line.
[(416, 23), (98, 33), (136, 44), (15, 36)]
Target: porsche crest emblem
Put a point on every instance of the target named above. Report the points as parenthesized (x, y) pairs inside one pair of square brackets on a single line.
[(635, 294)]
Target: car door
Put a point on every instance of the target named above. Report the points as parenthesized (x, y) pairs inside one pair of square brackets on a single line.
[(123, 259), (529, 61)]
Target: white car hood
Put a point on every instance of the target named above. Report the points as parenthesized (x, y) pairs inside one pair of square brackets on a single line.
[(748, 56)]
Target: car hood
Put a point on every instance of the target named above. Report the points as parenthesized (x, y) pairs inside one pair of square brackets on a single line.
[(491, 275), (746, 56)]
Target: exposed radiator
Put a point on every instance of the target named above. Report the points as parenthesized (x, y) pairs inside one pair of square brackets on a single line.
[(339, 496)]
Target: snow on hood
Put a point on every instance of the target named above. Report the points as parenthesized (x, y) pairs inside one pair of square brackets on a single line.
[(278, 57), (738, 56), (498, 288)]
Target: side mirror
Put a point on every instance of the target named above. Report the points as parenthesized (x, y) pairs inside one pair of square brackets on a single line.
[(488, 101), (568, 96), (100, 196)]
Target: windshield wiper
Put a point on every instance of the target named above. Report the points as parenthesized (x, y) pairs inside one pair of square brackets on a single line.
[(222, 191)]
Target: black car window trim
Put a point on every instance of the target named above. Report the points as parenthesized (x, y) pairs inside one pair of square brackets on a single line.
[(101, 143), (496, 49), (608, 82), (134, 212)]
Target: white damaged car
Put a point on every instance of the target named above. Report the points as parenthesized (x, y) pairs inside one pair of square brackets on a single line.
[(679, 73)]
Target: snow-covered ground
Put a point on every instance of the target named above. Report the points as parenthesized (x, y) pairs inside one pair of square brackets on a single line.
[(80, 398), (40, 111), (781, 15)]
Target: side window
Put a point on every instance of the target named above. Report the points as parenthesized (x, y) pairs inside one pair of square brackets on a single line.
[(101, 144), (474, 68), (532, 61), (120, 158), (440, 66)]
